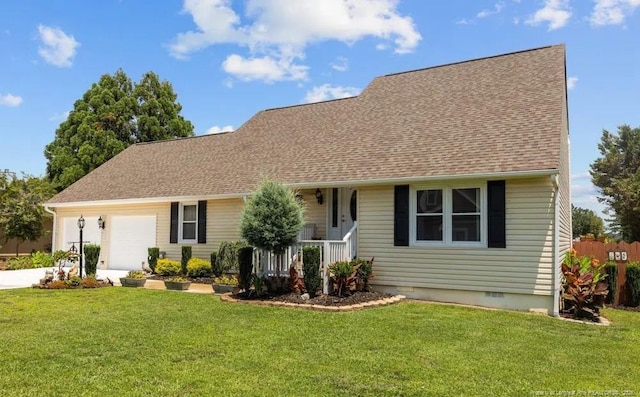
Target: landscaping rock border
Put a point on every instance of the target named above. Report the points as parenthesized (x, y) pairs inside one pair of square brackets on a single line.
[(228, 297)]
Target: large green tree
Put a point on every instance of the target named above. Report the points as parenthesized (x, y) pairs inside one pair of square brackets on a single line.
[(113, 114), (617, 174), (21, 211), (586, 221)]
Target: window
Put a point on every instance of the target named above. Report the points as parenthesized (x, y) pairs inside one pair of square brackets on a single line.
[(188, 222), (448, 216)]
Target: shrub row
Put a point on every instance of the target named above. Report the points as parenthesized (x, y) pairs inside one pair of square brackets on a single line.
[(225, 260)]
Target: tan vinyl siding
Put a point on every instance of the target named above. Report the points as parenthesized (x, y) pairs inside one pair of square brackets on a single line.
[(524, 267), (223, 217), (223, 221)]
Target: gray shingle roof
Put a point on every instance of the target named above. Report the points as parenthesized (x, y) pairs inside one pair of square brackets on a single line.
[(491, 115)]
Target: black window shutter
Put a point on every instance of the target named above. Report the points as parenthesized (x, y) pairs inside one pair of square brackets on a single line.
[(401, 216), (202, 222), (497, 214), (173, 232)]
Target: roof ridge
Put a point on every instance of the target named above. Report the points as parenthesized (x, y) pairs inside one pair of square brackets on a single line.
[(473, 60), (179, 138), (311, 103)]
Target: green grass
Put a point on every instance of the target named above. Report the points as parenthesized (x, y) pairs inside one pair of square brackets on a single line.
[(118, 341)]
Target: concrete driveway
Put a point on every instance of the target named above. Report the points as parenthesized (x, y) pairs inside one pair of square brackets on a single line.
[(25, 278)]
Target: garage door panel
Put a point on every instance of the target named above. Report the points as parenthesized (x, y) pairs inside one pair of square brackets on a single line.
[(129, 239), (71, 233)]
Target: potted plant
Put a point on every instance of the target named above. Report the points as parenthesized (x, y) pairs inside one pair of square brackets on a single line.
[(224, 284), (135, 278), (177, 284)]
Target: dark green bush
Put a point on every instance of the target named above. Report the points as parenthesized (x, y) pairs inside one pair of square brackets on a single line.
[(311, 269), (611, 268), (154, 254), (228, 255), (633, 282), (216, 268), (197, 267), (19, 263), (245, 262), (186, 255), (91, 255)]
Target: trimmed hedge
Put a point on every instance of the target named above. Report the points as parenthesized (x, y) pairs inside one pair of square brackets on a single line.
[(245, 263), (216, 268), (311, 269), (197, 267), (154, 254), (186, 255), (167, 267), (633, 282), (91, 255)]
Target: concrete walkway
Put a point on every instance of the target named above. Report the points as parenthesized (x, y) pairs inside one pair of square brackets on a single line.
[(10, 279)]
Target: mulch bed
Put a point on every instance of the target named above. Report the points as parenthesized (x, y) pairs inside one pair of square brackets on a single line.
[(322, 300)]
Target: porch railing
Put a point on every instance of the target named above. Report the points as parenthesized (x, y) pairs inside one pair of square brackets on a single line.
[(268, 264)]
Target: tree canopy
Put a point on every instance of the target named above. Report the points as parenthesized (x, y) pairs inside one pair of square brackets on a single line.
[(113, 114), (21, 211), (272, 218), (585, 221), (617, 174)]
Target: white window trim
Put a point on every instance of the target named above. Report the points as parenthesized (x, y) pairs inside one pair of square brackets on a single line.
[(181, 220), (447, 193)]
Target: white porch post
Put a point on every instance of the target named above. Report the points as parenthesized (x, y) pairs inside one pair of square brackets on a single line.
[(325, 268)]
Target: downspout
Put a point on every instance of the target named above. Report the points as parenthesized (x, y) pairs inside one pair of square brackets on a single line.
[(55, 228), (556, 246)]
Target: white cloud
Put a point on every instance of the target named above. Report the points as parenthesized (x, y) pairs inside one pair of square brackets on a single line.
[(496, 9), (10, 100), (278, 31), (571, 82), (216, 129), (57, 47), (327, 91), (463, 21), (555, 12), (612, 12), (341, 64)]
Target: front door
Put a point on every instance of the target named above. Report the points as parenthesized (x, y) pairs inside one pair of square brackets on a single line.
[(342, 211)]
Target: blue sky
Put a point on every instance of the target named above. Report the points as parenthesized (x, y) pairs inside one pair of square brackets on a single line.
[(229, 59)]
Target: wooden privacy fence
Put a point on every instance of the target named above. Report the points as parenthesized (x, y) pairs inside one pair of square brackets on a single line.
[(621, 253)]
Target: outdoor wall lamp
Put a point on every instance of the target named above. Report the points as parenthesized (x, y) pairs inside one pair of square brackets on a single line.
[(319, 196), (101, 223)]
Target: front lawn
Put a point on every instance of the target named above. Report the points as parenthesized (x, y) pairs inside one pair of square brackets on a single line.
[(118, 341)]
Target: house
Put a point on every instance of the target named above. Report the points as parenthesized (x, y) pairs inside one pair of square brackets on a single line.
[(455, 178)]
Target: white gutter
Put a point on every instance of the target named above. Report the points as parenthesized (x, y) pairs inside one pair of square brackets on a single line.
[(413, 179), (556, 246), (149, 200), (313, 185), (53, 233)]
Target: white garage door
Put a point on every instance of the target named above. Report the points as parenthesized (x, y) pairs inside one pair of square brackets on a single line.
[(71, 233), (129, 238)]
